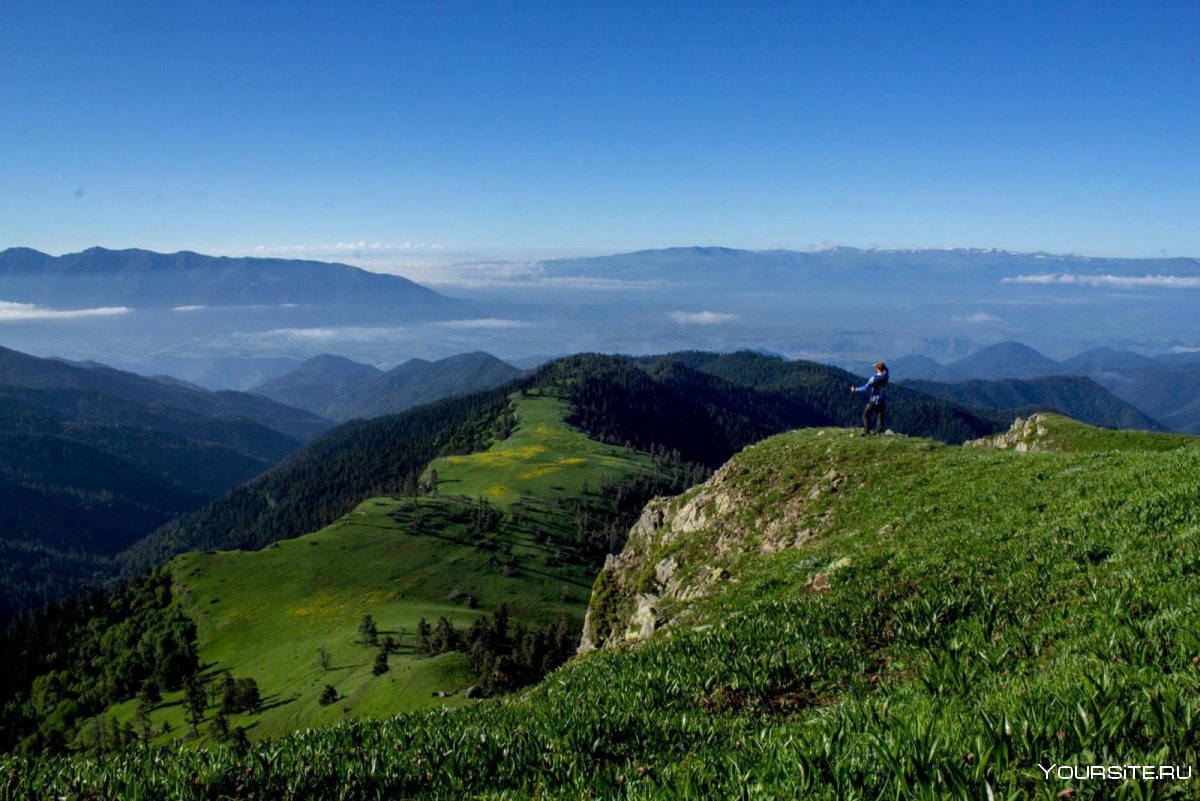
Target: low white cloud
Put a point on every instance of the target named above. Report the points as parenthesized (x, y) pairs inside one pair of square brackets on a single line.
[(977, 317), (252, 306), (361, 246), (525, 275), (322, 334), (701, 317), (1119, 281), (15, 312), (484, 322)]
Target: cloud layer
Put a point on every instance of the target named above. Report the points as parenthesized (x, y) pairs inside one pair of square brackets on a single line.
[(14, 312), (705, 317), (977, 317), (484, 322), (361, 246), (1117, 281)]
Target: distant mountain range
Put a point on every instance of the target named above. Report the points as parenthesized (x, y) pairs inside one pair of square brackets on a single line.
[(240, 322), (30, 372), (92, 459), (340, 389), (98, 277), (784, 268), (1166, 389), (1076, 396)]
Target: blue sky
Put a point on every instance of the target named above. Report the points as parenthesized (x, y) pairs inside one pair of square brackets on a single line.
[(526, 127)]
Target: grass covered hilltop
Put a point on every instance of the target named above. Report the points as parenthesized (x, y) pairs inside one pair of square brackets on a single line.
[(496, 531), (828, 617)]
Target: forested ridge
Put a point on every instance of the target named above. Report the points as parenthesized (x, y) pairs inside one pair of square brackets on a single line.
[(1076, 396), (324, 480), (691, 411), (826, 390), (703, 413)]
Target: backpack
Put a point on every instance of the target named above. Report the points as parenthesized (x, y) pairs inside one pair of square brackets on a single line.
[(878, 388)]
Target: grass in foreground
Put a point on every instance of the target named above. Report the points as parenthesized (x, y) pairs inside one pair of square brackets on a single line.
[(980, 612)]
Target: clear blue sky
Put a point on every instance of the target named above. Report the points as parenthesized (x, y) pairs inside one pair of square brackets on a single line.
[(220, 126)]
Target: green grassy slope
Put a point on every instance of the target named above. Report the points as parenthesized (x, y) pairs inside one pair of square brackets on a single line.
[(957, 616), (544, 458), (266, 614)]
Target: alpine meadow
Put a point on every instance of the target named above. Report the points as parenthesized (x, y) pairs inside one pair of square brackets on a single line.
[(599, 401)]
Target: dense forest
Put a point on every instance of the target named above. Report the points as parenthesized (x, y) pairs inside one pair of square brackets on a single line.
[(85, 474), (1076, 396), (77, 657), (324, 480), (826, 389)]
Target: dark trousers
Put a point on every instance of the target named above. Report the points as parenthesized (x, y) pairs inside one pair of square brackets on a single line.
[(875, 409)]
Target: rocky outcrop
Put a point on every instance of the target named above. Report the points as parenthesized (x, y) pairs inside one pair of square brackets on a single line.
[(1024, 435), (688, 547)]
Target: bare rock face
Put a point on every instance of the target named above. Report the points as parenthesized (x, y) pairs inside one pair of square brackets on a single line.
[(688, 547), (1024, 435)]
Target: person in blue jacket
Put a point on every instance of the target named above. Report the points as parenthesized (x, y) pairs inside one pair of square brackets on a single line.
[(876, 391)]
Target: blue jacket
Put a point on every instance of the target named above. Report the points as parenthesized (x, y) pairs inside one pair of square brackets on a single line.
[(877, 387)]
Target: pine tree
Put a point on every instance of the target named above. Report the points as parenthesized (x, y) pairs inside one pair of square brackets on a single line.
[(150, 693), (421, 643), (229, 700), (368, 630), (196, 702), (143, 719), (247, 696), (239, 741), (445, 638), (381, 663), (219, 728)]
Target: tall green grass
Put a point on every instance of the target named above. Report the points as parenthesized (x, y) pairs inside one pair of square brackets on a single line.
[(989, 611)]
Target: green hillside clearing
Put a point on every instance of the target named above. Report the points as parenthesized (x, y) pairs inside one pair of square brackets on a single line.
[(544, 457), (267, 614), (953, 617)]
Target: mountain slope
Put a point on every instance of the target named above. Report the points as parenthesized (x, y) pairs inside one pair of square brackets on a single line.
[(339, 389), (1097, 360), (1004, 360), (328, 477), (663, 405), (496, 527), (93, 459), (1078, 397), (143, 279), (1166, 390), (1170, 395), (513, 533), (914, 367), (317, 382), (827, 617), (30, 372), (825, 389), (417, 381)]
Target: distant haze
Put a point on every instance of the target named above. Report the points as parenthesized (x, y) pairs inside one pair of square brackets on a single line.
[(177, 313)]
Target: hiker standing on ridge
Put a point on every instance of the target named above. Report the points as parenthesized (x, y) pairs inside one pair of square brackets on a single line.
[(876, 391)]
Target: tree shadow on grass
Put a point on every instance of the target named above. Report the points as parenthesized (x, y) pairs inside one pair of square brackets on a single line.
[(274, 702)]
